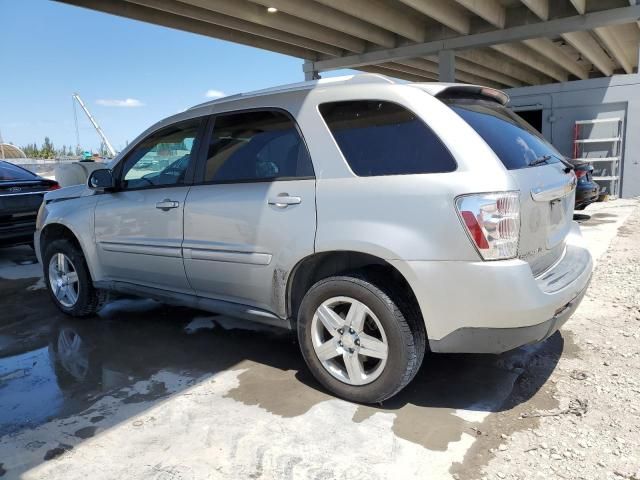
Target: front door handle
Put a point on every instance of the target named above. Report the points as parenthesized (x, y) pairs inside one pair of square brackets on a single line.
[(167, 204), (283, 200)]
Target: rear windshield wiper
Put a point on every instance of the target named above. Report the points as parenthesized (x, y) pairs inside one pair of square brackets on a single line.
[(546, 158), (540, 160)]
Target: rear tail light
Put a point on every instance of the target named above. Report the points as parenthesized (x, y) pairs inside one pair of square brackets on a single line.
[(492, 221), (580, 173), (54, 186)]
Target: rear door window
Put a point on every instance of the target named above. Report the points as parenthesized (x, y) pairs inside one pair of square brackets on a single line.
[(516, 143), (256, 146), (383, 138)]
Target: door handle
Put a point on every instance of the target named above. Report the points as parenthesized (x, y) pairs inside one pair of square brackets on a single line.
[(167, 204), (283, 200)]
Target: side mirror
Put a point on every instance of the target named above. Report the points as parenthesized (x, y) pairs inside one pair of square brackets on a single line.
[(101, 179)]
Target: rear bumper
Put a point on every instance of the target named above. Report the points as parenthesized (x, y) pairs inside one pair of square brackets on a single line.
[(492, 307), (587, 194), (498, 340)]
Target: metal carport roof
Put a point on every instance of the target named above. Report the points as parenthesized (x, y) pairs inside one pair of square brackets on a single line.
[(501, 43)]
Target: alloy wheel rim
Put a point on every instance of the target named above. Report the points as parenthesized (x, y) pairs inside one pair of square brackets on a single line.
[(63, 280), (349, 340), (71, 354)]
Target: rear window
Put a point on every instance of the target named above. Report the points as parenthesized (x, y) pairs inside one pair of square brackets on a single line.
[(383, 138), (12, 173), (514, 141)]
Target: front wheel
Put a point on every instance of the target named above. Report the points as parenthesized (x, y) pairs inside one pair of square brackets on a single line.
[(356, 340), (68, 280)]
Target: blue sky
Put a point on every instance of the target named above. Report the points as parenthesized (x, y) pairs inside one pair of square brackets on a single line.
[(50, 50)]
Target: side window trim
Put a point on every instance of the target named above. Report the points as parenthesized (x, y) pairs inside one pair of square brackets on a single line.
[(190, 173), (200, 169)]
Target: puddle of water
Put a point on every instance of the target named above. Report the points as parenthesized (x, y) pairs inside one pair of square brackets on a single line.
[(449, 395), (29, 393)]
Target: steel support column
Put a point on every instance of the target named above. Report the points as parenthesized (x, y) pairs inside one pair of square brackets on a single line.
[(447, 66), (310, 74)]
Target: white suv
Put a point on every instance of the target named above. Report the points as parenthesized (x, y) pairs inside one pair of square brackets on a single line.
[(376, 218)]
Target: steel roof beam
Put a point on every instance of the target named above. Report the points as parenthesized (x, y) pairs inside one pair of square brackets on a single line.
[(382, 15), (581, 6), (489, 10), (444, 11), (590, 49), (553, 52), (324, 15), (549, 28), (251, 12), (486, 57), (612, 43), (208, 16), (539, 7)]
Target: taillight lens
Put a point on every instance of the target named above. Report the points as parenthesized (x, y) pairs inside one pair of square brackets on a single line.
[(492, 221), (54, 186)]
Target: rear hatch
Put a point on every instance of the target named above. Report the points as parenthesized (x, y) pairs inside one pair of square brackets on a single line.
[(545, 179)]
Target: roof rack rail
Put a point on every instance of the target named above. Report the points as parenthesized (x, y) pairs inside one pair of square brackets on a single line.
[(357, 79)]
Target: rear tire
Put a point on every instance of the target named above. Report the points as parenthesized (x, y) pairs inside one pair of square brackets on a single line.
[(68, 280), (360, 342)]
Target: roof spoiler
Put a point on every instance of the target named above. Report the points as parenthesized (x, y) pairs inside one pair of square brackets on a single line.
[(473, 91)]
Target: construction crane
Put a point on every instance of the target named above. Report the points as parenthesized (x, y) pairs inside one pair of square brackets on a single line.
[(106, 142)]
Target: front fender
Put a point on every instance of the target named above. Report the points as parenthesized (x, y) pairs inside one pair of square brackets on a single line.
[(76, 215)]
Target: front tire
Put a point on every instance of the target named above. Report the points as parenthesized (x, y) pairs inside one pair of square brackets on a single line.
[(357, 341), (68, 280)]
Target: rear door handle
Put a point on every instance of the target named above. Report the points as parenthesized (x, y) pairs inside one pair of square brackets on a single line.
[(283, 200), (167, 204)]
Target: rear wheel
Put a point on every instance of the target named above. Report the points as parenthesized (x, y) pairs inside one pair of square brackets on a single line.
[(68, 280), (356, 340)]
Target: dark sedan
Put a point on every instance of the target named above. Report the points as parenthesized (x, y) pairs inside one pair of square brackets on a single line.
[(587, 191), (21, 193)]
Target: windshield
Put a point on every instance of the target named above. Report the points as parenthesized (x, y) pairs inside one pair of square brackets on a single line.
[(12, 173), (515, 142)]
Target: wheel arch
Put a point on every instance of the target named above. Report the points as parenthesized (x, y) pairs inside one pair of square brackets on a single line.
[(317, 266), (55, 231)]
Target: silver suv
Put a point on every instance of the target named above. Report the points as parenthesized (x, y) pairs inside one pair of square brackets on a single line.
[(377, 219)]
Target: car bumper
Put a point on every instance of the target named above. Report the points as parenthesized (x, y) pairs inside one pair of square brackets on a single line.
[(587, 195), (17, 234), (493, 307)]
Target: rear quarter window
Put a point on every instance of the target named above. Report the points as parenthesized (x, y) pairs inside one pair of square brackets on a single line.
[(12, 173), (383, 138)]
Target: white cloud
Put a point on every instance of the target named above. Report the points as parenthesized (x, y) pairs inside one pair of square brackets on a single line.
[(214, 94), (127, 102)]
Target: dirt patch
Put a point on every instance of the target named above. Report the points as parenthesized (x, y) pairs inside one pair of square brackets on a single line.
[(56, 452), (85, 432)]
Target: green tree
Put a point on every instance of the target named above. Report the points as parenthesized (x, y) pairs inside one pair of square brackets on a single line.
[(48, 150)]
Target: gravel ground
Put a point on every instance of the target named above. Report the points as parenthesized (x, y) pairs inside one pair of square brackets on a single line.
[(584, 422)]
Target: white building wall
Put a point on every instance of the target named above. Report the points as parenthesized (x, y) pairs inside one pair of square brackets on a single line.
[(564, 103)]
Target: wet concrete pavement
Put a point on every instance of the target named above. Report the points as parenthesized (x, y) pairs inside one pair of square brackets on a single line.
[(147, 390)]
